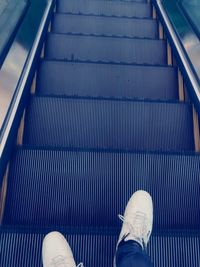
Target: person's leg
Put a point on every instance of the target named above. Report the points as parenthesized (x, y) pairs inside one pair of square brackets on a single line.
[(56, 251), (130, 254), (135, 233)]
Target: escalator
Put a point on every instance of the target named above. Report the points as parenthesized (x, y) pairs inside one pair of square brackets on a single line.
[(105, 119)]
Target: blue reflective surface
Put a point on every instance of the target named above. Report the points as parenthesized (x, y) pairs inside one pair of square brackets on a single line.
[(192, 11), (185, 32), (14, 64), (11, 14)]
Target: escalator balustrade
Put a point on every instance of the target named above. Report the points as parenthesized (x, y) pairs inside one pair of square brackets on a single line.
[(105, 121)]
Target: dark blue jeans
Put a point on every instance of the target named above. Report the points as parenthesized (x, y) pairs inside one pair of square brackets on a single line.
[(130, 254)]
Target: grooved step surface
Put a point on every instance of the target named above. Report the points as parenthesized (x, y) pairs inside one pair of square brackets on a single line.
[(106, 26), (105, 8), (106, 80), (101, 49), (74, 188), (139, 1), (25, 249), (128, 125), (85, 130)]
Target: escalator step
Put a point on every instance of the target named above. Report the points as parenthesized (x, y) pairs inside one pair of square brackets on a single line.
[(139, 1), (106, 80), (107, 26), (105, 8), (96, 249), (85, 188), (130, 125), (101, 49)]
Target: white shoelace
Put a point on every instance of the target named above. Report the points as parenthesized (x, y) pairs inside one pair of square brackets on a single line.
[(60, 261), (137, 226)]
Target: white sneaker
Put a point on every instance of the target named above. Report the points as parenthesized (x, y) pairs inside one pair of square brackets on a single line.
[(137, 219), (56, 252)]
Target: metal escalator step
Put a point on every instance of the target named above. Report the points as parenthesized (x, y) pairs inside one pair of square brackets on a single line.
[(101, 49), (85, 188), (107, 26), (105, 8), (130, 125), (96, 249), (139, 1), (107, 80)]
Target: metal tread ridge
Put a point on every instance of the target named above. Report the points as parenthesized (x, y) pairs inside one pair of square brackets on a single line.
[(87, 247), (92, 123), (81, 180)]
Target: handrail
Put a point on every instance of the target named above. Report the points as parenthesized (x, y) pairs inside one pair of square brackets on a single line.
[(181, 49), (16, 70)]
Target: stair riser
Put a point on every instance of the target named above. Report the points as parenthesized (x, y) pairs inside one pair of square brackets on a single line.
[(105, 8), (107, 50), (128, 125), (106, 26), (104, 80)]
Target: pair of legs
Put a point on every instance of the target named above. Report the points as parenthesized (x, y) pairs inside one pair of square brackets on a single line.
[(131, 245)]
